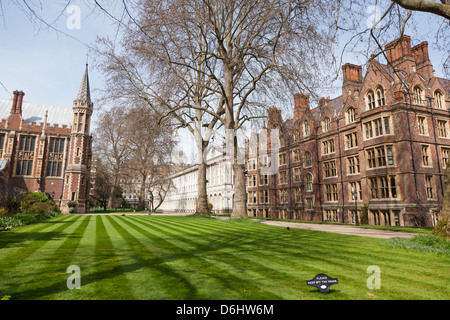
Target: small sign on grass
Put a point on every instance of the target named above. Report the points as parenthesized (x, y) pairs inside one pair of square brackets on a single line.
[(322, 282)]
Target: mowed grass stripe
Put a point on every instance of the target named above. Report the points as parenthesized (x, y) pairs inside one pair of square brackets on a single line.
[(149, 276), (83, 258), (342, 263), (259, 267), (45, 270), (110, 280), (30, 242), (212, 280), (279, 275)]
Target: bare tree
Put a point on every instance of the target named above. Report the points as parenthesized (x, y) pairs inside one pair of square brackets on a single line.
[(110, 144), (149, 143)]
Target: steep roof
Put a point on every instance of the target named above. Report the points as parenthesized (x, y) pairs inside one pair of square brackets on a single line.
[(33, 112), (84, 93)]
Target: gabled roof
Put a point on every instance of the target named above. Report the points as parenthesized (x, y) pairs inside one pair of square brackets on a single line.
[(33, 112)]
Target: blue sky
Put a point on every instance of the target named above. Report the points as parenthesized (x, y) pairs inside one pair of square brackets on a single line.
[(48, 66)]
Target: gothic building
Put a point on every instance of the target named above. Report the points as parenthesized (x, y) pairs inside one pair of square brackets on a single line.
[(377, 152), (48, 148)]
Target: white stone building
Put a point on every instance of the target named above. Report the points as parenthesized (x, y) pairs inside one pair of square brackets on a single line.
[(183, 197)]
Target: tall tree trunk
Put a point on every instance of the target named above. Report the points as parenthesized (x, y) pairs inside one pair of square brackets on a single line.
[(202, 202), (142, 193)]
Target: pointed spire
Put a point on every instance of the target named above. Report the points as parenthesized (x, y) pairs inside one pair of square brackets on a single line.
[(84, 94)]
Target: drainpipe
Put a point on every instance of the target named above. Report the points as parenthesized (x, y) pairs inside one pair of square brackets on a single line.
[(340, 168), (436, 146), (411, 144)]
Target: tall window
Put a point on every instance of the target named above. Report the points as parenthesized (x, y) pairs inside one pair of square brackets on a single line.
[(2, 142), (298, 195), (353, 165), (355, 190), (439, 101), (326, 124), (25, 156), (370, 100), (328, 146), (350, 115), (308, 159), (331, 192), (422, 123), (297, 174), (430, 187), (264, 196), (282, 177), (263, 179), (330, 169), (445, 154), (442, 128), (419, 97), (426, 160), (296, 155), (351, 140), (306, 131), (380, 97), (55, 157), (309, 182)]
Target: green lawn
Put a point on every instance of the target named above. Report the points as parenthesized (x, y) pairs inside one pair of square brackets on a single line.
[(174, 257)]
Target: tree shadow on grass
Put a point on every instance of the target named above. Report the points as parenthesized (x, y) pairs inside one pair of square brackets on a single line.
[(21, 239)]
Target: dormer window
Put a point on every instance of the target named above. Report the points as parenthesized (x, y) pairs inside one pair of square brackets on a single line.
[(350, 115), (419, 97), (370, 100), (326, 125), (439, 101), (306, 128), (380, 97)]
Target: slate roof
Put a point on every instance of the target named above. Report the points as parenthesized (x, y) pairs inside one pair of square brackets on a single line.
[(33, 112)]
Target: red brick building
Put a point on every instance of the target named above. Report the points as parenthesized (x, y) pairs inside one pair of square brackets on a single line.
[(48, 148), (379, 149)]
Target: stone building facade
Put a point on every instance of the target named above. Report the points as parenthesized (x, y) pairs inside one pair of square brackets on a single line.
[(378, 150), (48, 148)]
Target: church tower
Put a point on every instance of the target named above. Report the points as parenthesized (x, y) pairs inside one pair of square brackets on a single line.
[(76, 177)]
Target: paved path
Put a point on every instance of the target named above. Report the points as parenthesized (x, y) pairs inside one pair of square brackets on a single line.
[(343, 229)]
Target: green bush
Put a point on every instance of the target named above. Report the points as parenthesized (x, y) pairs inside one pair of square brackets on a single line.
[(421, 242)]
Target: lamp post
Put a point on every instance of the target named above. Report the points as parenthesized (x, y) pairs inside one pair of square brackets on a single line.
[(150, 205), (355, 193)]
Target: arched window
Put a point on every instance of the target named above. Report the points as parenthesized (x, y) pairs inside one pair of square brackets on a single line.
[(370, 100), (439, 101), (350, 115), (307, 159), (380, 97), (309, 182), (306, 128), (419, 97), (326, 124)]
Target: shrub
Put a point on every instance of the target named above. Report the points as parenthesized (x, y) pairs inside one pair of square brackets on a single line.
[(421, 242)]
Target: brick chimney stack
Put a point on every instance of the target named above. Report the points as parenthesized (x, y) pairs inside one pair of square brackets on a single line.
[(352, 76), (422, 59), (399, 55), (14, 104), (274, 115), (17, 102), (301, 104)]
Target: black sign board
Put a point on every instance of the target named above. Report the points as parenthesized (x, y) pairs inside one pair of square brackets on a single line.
[(322, 282)]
